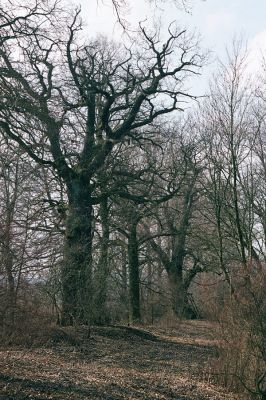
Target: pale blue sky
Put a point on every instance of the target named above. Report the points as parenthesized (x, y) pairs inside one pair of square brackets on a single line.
[(218, 22)]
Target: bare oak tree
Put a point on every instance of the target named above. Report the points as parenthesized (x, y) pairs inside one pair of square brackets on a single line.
[(68, 105)]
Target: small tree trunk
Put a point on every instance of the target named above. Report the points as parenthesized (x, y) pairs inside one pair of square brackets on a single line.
[(11, 293), (134, 284), (77, 262), (124, 286), (8, 265)]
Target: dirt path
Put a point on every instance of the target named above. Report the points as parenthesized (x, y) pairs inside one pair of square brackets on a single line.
[(115, 363)]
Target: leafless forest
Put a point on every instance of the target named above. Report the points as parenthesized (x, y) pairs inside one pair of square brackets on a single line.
[(132, 214)]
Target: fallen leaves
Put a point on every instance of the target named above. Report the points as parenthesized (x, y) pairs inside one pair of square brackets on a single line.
[(114, 363)]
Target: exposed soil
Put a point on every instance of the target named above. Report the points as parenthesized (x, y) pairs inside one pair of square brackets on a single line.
[(114, 363)]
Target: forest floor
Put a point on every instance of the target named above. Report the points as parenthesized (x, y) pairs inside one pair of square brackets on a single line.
[(114, 363)]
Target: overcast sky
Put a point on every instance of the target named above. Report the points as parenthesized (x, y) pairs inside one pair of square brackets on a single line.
[(218, 21)]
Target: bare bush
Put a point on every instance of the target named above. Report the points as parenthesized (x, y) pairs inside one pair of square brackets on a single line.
[(242, 327)]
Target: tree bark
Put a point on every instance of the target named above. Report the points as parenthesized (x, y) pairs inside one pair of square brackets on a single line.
[(11, 292), (134, 278), (8, 260), (100, 278), (77, 262), (177, 292)]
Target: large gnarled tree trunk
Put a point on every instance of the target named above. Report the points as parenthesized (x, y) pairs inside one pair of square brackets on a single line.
[(100, 315), (77, 263)]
